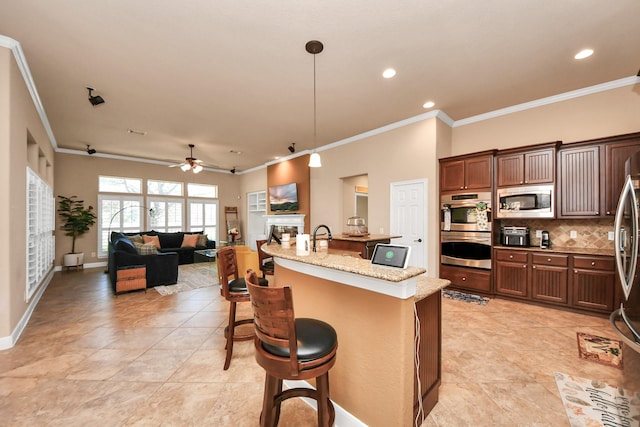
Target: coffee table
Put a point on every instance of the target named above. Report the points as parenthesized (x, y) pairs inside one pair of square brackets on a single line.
[(205, 255)]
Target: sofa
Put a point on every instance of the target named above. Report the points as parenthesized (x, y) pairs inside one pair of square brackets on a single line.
[(160, 253)]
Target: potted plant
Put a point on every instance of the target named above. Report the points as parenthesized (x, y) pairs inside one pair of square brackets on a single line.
[(77, 220)]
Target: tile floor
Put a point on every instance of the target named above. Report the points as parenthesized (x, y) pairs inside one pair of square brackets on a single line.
[(140, 359)]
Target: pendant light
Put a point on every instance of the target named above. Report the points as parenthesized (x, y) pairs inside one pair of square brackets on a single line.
[(314, 47)]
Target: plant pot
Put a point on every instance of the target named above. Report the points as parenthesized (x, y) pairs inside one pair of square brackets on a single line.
[(73, 260)]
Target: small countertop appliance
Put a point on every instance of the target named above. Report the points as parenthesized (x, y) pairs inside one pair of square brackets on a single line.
[(545, 242), (514, 236)]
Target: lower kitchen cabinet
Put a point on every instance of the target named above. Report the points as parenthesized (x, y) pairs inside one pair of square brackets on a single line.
[(472, 279), (581, 282), (593, 280), (549, 278), (511, 273)]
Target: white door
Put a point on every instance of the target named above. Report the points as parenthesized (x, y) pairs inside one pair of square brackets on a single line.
[(408, 216)]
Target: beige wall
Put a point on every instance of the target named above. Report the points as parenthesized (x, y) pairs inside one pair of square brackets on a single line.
[(77, 175), (402, 154), (603, 114), (21, 132)]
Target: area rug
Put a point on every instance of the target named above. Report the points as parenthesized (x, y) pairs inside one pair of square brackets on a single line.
[(462, 296), (190, 277), (590, 403), (605, 351)]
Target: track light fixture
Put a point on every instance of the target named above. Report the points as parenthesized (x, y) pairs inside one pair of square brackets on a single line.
[(94, 100), (292, 147), (90, 150), (233, 170)]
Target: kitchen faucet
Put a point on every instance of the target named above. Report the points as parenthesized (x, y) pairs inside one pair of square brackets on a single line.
[(315, 231)]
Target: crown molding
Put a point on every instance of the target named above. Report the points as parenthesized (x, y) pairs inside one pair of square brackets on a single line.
[(21, 60), (615, 84)]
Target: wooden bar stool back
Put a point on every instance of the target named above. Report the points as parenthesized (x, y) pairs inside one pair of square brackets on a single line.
[(291, 349), (266, 261), (234, 289)]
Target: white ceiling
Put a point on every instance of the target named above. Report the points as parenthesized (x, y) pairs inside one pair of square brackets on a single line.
[(234, 75)]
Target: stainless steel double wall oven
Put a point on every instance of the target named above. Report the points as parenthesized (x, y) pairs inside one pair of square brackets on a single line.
[(465, 224)]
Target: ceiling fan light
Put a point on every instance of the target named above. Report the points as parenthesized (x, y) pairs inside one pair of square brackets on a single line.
[(314, 161), (197, 169), (185, 167)]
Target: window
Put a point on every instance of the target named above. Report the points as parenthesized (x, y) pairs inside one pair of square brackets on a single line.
[(168, 214), (126, 214), (203, 215), (114, 184), (40, 227), (164, 188), (202, 190)]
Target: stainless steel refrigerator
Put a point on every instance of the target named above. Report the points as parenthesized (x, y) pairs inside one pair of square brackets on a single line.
[(626, 319)]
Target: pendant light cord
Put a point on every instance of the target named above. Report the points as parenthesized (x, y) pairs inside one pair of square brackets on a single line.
[(314, 104)]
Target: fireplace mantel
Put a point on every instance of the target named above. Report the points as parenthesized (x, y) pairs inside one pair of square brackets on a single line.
[(286, 220)]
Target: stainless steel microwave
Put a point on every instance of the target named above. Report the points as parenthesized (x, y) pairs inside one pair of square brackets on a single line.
[(536, 201)]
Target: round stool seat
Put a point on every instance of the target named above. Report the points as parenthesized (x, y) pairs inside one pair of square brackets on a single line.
[(315, 339), (239, 284)]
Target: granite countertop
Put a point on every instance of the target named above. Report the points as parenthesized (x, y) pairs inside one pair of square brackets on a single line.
[(427, 286), (347, 263), (366, 238), (555, 249)]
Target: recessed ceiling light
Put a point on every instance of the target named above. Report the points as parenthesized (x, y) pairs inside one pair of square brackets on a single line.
[(584, 54), (428, 104), (388, 73)]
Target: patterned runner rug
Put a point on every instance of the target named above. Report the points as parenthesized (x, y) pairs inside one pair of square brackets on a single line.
[(463, 296), (591, 403), (190, 277)]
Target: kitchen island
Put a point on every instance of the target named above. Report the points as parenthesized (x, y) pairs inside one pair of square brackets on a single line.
[(373, 310), (363, 244)]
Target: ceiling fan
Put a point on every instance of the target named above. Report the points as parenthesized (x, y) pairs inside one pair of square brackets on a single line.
[(190, 163)]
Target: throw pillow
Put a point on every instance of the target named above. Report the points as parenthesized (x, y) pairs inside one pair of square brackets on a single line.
[(146, 248), (136, 238), (189, 240), (152, 239), (202, 240)]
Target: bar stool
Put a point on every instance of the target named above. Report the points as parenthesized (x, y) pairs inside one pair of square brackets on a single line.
[(290, 349), (233, 290), (266, 261)]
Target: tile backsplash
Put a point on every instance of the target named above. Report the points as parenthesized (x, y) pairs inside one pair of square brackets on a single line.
[(590, 233)]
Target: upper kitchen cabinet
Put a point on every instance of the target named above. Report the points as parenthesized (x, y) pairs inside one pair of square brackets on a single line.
[(526, 166), (591, 175), (617, 151), (473, 172)]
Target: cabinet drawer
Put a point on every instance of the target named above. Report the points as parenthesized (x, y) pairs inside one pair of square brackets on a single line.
[(515, 256), (550, 259), (593, 263), (469, 278)]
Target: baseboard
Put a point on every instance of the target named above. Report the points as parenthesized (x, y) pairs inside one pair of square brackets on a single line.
[(88, 265), (343, 418), (9, 341)]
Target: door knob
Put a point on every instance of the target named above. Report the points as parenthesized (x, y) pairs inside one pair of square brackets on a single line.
[(419, 240)]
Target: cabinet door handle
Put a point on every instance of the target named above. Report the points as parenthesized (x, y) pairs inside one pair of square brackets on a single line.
[(575, 271), (533, 266), (464, 279), (593, 263), (597, 213), (548, 259), (608, 212), (524, 266), (510, 256)]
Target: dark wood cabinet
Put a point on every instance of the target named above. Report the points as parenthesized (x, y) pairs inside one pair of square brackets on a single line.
[(593, 283), (530, 167), (472, 279), (428, 349), (362, 245), (549, 274), (467, 172), (583, 282), (591, 175), (511, 273), (579, 182), (616, 154)]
